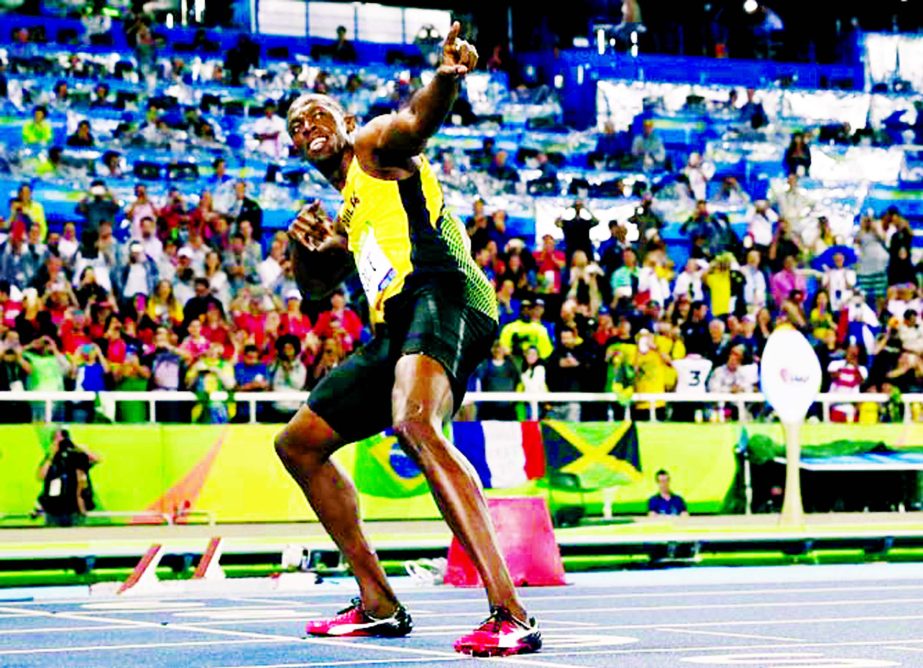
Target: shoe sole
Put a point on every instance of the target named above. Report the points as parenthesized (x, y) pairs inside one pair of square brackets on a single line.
[(527, 647)]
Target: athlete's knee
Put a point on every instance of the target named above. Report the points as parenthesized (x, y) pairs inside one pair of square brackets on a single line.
[(305, 445)]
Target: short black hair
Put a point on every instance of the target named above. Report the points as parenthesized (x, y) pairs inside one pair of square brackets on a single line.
[(661, 472), (251, 348), (5, 286), (202, 281), (40, 107)]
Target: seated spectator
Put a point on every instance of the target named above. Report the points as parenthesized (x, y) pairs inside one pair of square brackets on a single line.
[(523, 279), (665, 502), (217, 330), (38, 131), (195, 344), (797, 158), (293, 321), (497, 374), (846, 377), (82, 137), (339, 322), (289, 373), (163, 308), (100, 97), (647, 148), (196, 307), (733, 376), (112, 165), (501, 170), (26, 212)]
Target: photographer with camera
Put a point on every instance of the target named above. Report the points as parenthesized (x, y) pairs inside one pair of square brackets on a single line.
[(67, 494), (14, 371), (48, 370)]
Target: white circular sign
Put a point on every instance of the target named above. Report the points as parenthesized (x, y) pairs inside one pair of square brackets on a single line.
[(790, 374)]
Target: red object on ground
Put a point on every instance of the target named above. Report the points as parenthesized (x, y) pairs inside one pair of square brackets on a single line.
[(526, 537)]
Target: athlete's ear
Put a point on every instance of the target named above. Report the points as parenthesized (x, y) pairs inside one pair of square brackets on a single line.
[(350, 120)]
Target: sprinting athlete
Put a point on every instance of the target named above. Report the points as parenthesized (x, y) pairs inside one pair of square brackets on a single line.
[(435, 318)]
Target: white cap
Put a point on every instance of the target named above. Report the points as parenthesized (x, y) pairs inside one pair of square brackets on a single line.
[(293, 294), (184, 252)]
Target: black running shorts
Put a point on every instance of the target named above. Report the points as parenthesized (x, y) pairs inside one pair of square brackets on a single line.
[(434, 320)]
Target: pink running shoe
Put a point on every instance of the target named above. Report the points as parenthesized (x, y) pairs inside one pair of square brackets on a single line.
[(354, 621), (501, 634)]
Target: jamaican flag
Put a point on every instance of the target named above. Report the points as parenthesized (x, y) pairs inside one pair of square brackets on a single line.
[(600, 454), (384, 469)]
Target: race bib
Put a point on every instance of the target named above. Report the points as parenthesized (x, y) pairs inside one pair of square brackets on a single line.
[(375, 269), (54, 487)]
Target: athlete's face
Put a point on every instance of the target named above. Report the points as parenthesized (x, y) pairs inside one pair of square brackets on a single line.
[(319, 127)]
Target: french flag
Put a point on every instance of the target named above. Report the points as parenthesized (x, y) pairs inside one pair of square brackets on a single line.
[(505, 454)]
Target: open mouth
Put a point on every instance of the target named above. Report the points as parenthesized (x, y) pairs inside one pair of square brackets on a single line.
[(317, 144)]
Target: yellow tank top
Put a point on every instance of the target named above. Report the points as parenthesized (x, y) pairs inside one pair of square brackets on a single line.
[(401, 229)]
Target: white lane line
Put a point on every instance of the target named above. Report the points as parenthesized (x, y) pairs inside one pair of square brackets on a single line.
[(735, 648), (906, 649), (65, 629), (359, 662), (285, 638), (642, 595), (145, 646), (726, 634), (709, 606), (753, 622)]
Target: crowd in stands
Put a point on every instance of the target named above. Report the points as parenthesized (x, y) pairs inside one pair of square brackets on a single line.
[(186, 291)]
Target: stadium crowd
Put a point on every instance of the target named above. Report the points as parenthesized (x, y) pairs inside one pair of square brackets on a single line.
[(188, 292)]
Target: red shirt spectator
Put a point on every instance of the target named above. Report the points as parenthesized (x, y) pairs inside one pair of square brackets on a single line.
[(195, 345), (293, 320), (341, 322), (113, 344), (216, 330), (548, 265), (74, 332)]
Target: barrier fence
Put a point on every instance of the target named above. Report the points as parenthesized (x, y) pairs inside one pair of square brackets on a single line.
[(742, 402)]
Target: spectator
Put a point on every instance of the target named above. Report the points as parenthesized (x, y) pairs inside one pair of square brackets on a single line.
[(212, 373), (241, 266), (501, 170), (731, 193), (195, 345), (479, 226), (647, 148), (794, 205), (797, 159), (625, 279), (14, 374), (198, 305), (67, 493), (699, 173), (509, 306), (131, 376), (89, 371), (752, 112), (163, 308), (576, 222), (665, 502), (759, 228), (89, 291), (26, 212), (289, 373), (692, 371), (339, 322), (271, 132), (33, 322), (872, 269), (270, 269), (38, 131), (785, 243), (293, 321), (648, 222), (549, 264), (695, 331), (900, 264), (784, 282), (718, 280), (101, 96), (142, 207), (82, 137), (68, 245), (174, 218), (610, 253), (568, 371), (701, 223), (846, 377), (152, 246), (343, 50), (755, 292), (498, 374), (584, 282), (166, 364), (48, 370), (527, 332), (220, 175), (251, 375), (653, 372), (241, 58), (98, 206), (217, 279), (911, 333), (732, 376), (821, 319), (523, 279), (689, 283), (216, 329), (139, 276), (246, 209), (112, 165), (839, 282)]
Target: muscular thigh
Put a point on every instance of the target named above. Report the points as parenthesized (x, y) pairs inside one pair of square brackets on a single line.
[(355, 398)]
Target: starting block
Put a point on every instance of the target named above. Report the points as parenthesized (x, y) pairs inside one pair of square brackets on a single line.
[(526, 537), (208, 577)]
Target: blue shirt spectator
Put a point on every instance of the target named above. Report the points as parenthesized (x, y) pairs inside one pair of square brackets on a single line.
[(665, 502)]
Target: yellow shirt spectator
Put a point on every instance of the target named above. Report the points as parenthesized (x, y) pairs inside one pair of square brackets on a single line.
[(719, 287), (37, 131)]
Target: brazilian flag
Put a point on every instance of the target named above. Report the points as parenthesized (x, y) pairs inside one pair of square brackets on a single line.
[(600, 454), (383, 469)]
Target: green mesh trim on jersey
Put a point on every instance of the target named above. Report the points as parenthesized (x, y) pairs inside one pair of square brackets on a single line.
[(479, 293)]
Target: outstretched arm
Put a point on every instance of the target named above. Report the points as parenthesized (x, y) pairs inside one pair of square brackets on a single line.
[(405, 133)]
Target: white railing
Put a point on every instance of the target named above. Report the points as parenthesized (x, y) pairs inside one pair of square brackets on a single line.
[(534, 400)]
